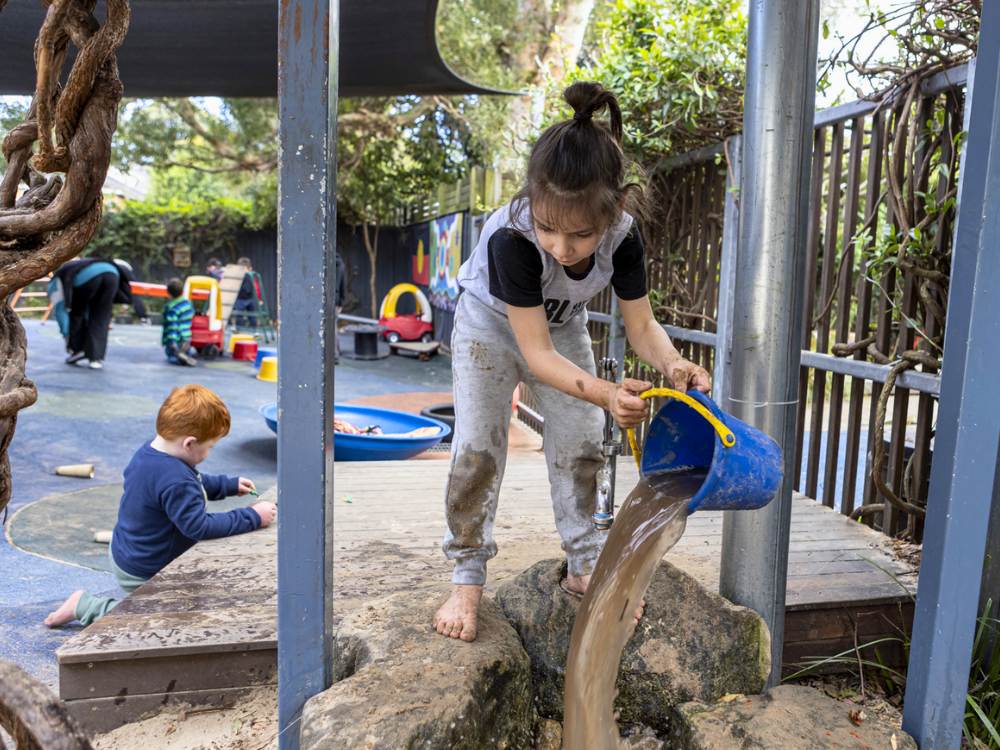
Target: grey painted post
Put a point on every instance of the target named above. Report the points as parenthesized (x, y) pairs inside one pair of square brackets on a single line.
[(727, 268), (966, 445), (307, 93), (764, 371)]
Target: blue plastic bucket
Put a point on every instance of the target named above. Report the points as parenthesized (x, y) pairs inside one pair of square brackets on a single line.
[(262, 352), (744, 476)]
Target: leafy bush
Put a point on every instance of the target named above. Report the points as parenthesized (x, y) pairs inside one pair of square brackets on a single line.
[(145, 234), (677, 67)]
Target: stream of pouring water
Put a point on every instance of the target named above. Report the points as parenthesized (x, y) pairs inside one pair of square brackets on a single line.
[(651, 521)]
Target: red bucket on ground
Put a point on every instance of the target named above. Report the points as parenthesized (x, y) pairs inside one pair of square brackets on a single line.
[(245, 350)]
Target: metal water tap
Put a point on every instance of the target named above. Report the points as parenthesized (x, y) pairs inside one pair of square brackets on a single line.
[(604, 513)]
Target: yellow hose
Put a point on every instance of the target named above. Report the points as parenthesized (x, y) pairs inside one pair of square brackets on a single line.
[(725, 434)]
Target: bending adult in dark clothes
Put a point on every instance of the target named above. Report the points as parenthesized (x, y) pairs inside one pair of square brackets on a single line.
[(91, 287), (90, 316)]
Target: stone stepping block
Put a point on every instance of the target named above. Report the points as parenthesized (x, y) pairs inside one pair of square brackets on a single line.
[(788, 716), (399, 684), (691, 644)]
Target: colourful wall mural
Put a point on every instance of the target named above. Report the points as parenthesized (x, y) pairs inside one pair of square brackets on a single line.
[(445, 257), (421, 258)]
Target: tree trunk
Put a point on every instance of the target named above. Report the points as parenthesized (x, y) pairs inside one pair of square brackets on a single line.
[(371, 247), (555, 49)]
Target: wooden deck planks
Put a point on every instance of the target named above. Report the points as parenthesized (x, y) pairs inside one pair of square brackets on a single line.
[(205, 627)]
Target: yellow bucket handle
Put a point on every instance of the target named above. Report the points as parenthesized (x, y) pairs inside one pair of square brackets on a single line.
[(725, 434)]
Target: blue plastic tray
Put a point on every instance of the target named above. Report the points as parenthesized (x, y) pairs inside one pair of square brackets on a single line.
[(374, 447)]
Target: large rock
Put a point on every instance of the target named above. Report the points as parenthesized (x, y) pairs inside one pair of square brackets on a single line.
[(788, 716), (401, 685), (689, 645)]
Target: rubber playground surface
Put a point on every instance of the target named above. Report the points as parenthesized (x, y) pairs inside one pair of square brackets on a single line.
[(101, 417)]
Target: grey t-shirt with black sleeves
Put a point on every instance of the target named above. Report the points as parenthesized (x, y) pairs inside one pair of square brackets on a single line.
[(509, 267)]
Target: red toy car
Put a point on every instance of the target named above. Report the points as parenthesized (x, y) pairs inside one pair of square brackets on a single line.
[(409, 327), (406, 328)]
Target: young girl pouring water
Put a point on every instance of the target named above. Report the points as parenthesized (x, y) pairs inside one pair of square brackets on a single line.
[(562, 239)]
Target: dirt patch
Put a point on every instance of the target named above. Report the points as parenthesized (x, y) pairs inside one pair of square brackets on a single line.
[(250, 725)]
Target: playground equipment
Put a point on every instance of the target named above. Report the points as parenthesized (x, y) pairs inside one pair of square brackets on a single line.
[(207, 332), (245, 351), (235, 338), (263, 351), (260, 318), (393, 444), (366, 342), (415, 327), (442, 413), (35, 290), (268, 370)]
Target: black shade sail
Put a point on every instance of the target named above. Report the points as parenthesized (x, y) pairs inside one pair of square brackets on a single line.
[(230, 48)]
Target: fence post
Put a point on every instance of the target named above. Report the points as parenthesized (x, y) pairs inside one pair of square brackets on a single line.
[(764, 373), (964, 473), (727, 267)]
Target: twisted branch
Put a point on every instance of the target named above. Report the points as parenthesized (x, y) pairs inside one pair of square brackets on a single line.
[(59, 210)]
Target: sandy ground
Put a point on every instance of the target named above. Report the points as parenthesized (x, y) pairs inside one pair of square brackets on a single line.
[(251, 725)]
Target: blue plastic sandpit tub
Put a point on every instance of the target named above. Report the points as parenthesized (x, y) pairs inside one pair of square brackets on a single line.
[(374, 447)]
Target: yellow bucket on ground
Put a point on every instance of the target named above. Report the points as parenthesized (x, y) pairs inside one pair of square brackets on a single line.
[(234, 337), (268, 370)]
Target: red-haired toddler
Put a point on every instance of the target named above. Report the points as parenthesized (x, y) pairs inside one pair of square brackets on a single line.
[(162, 511)]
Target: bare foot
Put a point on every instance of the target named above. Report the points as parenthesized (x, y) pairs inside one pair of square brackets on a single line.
[(66, 612), (579, 584), (457, 617)]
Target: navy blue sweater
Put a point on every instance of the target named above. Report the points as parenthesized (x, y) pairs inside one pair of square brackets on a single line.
[(162, 512)]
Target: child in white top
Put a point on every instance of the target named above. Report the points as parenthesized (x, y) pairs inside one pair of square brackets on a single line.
[(522, 317)]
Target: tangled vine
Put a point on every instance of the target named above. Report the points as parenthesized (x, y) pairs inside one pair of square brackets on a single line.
[(50, 196), (920, 151)]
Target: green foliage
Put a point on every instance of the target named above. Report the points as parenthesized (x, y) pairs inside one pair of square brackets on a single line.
[(200, 150), (224, 137), (402, 148), (677, 68), (480, 39), (390, 150), (145, 233), (982, 720), (12, 112)]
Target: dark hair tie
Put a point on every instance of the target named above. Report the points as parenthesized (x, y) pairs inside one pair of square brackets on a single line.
[(583, 116)]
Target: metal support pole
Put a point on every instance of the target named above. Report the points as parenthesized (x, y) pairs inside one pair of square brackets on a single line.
[(616, 336), (307, 221), (762, 386), (966, 444), (727, 267)]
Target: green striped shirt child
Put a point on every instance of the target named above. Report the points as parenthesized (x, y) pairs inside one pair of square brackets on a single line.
[(177, 315)]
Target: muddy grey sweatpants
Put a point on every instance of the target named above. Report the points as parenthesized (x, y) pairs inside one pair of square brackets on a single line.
[(487, 365)]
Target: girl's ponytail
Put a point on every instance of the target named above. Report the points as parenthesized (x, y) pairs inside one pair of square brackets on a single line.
[(587, 99), (579, 165)]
